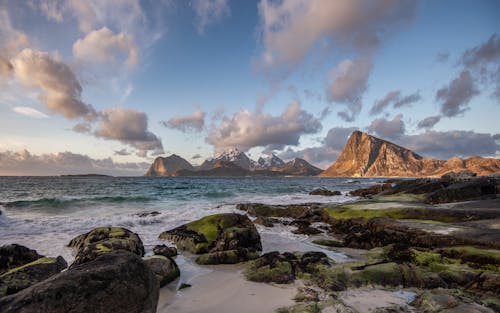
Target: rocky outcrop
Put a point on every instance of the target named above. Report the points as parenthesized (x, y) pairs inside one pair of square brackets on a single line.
[(368, 156), (165, 251), (226, 238), (370, 191), (165, 268), (24, 276), (103, 240), (14, 255), (324, 192), (118, 281), (168, 166)]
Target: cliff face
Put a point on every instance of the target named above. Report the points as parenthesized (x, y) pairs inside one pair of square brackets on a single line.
[(168, 166), (368, 156)]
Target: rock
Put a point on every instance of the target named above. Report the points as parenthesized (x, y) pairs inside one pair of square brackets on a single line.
[(226, 257), (184, 285), (118, 282), (329, 243), (104, 240), (304, 228), (324, 192), (283, 268), (218, 233), (168, 166), (386, 274), (440, 300), (147, 214), (22, 277), (272, 267), (264, 221), (14, 255), (165, 269), (478, 188), (458, 176), (292, 211), (305, 294), (165, 250), (370, 191)]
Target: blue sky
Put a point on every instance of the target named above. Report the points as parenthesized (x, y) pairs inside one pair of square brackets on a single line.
[(109, 85)]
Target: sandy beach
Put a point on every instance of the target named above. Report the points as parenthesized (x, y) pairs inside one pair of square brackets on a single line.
[(225, 290)]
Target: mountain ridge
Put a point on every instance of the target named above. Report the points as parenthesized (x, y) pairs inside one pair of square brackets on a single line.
[(367, 156)]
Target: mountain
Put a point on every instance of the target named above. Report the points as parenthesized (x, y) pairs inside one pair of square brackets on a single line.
[(367, 156), (297, 167), (234, 156), (168, 166), (270, 161)]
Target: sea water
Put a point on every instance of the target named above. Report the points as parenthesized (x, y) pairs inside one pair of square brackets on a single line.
[(45, 213)]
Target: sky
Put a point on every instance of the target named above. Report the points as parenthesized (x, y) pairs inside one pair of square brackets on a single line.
[(105, 86)]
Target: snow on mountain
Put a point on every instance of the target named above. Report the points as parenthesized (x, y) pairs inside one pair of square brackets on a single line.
[(270, 161)]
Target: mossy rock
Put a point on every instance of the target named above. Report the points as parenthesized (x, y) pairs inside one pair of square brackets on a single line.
[(277, 270), (226, 257), (265, 210), (217, 233), (24, 276), (312, 307), (104, 240), (387, 274), (475, 257), (165, 268), (329, 243), (14, 255)]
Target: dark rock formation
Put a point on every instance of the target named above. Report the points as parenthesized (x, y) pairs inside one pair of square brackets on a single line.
[(103, 240), (324, 192), (14, 255), (165, 269), (233, 237), (119, 282), (370, 191), (478, 188), (168, 166), (22, 277), (165, 251), (368, 156)]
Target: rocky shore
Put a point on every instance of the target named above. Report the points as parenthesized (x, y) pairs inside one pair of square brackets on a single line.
[(423, 245)]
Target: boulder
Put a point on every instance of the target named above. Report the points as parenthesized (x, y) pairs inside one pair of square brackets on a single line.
[(441, 300), (165, 269), (370, 191), (478, 188), (458, 176), (292, 211), (22, 277), (304, 228), (324, 192), (104, 240), (227, 232), (165, 250), (265, 221), (118, 281), (14, 255)]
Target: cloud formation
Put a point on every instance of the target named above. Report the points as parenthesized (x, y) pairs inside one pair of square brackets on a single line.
[(394, 98), (290, 28), (456, 96), (30, 112), (246, 129), (25, 163), (194, 122), (129, 127), (390, 129), (59, 87), (102, 46), (347, 83), (209, 12), (483, 54), (429, 122)]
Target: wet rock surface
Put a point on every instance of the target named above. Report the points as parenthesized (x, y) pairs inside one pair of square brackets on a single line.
[(14, 255), (225, 238), (165, 268), (118, 281), (103, 240)]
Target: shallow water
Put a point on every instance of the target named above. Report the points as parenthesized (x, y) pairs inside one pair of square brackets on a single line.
[(45, 213)]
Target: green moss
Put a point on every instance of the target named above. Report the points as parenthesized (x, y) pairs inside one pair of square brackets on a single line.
[(344, 212), (423, 258), (477, 257), (268, 274), (102, 248), (208, 226), (313, 307), (376, 254), (381, 274), (221, 257), (116, 232), (328, 242), (44, 260)]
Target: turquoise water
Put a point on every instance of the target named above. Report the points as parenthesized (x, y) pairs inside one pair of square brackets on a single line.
[(45, 213)]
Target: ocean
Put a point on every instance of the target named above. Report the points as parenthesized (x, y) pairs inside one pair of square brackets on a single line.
[(45, 213)]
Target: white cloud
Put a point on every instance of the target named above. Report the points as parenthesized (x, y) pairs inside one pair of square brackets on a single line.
[(389, 129), (456, 96), (129, 127), (346, 84), (103, 46), (25, 163), (60, 89), (290, 28), (209, 12), (246, 129), (186, 123), (29, 112)]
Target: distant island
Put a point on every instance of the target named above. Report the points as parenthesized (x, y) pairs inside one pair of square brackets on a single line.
[(85, 175), (363, 156)]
